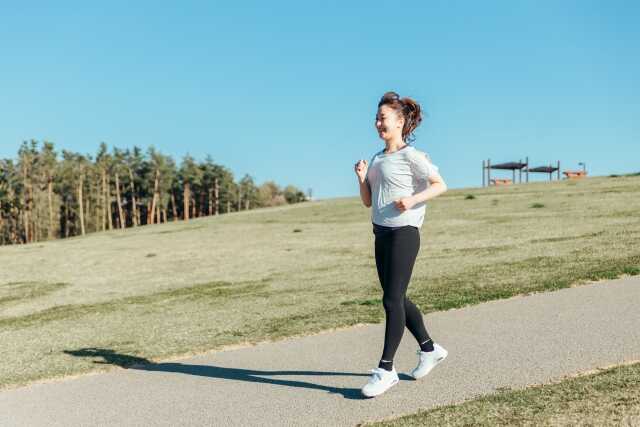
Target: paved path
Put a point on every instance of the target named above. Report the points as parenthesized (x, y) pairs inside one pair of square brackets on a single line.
[(316, 380)]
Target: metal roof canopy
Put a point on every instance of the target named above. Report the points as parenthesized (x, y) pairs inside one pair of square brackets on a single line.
[(509, 165), (545, 169)]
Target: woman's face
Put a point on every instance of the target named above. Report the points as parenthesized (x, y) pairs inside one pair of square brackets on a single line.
[(388, 124)]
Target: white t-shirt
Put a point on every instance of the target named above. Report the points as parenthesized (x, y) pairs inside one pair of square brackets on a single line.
[(394, 176)]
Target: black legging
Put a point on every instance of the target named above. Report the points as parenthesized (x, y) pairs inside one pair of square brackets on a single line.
[(396, 251)]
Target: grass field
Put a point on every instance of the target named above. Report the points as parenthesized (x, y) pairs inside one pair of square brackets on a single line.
[(609, 397), (177, 289)]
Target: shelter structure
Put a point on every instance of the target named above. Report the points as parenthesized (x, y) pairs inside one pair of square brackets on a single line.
[(512, 166), (520, 167), (548, 169)]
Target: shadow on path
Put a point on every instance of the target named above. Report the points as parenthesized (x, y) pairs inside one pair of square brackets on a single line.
[(110, 357)]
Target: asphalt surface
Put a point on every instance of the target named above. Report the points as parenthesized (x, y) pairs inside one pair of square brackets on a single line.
[(316, 380)]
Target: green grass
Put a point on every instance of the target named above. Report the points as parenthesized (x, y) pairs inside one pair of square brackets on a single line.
[(610, 397), (626, 174), (214, 292), (170, 290), (14, 293)]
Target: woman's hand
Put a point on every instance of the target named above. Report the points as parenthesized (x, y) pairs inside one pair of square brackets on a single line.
[(361, 169), (405, 203)]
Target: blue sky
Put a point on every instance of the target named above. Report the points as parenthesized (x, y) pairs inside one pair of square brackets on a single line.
[(287, 91)]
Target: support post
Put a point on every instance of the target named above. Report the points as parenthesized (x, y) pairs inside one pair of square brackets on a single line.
[(483, 167), (520, 171)]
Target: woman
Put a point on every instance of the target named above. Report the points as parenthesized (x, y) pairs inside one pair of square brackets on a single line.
[(397, 183)]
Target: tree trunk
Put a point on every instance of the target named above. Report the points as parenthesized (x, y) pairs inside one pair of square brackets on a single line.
[(216, 194), (86, 209), (32, 211), (108, 196), (25, 214), (104, 201), (120, 212), (13, 225), (66, 217), (80, 202), (23, 227), (135, 219), (15, 216), (210, 201), (155, 196), (186, 197), (50, 197), (98, 204), (149, 213), (1, 225), (193, 207), (173, 206)]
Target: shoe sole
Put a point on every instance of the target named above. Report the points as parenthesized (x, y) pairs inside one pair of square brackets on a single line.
[(437, 362), (378, 394)]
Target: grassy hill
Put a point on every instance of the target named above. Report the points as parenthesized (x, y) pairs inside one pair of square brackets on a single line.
[(177, 289)]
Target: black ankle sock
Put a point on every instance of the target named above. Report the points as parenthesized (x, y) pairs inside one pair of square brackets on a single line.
[(427, 346), (387, 366)]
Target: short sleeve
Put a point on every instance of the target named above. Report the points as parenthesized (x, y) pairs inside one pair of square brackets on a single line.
[(422, 165)]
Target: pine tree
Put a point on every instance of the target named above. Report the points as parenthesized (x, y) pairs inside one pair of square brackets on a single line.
[(249, 191), (49, 164), (190, 176)]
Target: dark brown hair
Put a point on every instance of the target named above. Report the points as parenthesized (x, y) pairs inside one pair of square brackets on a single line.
[(409, 109)]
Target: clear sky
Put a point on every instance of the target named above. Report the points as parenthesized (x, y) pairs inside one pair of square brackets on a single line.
[(287, 90)]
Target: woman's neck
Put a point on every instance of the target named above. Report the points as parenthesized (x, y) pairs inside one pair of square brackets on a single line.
[(394, 145)]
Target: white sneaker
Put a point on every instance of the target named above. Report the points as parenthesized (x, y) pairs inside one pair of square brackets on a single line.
[(381, 380), (428, 361)]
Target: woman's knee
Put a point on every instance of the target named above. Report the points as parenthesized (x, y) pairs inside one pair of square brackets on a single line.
[(393, 302)]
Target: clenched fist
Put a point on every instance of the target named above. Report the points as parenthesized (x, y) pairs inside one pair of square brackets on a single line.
[(404, 203), (361, 169)]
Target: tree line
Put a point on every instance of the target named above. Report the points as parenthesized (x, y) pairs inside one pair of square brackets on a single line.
[(44, 195)]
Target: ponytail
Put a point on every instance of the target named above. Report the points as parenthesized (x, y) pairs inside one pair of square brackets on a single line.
[(409, 109)]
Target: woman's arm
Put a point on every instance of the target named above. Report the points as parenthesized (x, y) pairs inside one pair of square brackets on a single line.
[(365, 193), (361, 168), (437, 186), (423, 167)]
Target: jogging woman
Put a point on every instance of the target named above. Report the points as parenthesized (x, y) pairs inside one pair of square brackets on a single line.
[(396, 185)]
